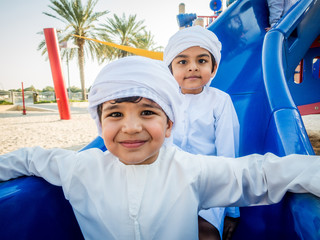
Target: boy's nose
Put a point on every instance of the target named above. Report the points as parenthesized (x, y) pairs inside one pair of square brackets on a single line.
[(131, 126), (193, 66)]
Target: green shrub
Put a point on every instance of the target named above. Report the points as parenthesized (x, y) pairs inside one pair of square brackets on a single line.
[(3, 102), (53, 101)]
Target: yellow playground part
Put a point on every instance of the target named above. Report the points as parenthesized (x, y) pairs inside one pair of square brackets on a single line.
[(136, 51)]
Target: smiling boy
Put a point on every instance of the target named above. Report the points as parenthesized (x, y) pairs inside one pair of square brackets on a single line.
[(143, 187)]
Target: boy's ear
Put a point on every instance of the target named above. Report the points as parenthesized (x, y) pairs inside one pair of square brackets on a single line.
[(169, 128), (214, 70)]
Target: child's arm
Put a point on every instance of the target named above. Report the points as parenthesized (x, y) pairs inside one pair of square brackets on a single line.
[(256, 179), (53, 165)]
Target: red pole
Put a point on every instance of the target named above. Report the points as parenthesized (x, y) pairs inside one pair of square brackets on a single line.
[(23, 102), (58, 81)]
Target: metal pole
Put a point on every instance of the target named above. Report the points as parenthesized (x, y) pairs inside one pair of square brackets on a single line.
[(23, 102), (69, 91)]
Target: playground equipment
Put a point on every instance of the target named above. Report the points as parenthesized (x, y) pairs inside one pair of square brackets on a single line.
[(257, 70), (56, 70), (266, 99)]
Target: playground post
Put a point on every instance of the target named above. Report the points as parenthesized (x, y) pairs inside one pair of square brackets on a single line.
[(23, 102), (56, 69)]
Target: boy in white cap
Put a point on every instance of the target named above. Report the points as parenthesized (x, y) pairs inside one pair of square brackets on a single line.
[(142, 188), (209, 124)]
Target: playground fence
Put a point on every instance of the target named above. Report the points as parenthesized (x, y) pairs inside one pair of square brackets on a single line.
[(33, 97)]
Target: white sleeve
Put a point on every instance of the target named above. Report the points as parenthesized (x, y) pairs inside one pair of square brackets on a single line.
[(54, 165), (256, 179), (227, 130)]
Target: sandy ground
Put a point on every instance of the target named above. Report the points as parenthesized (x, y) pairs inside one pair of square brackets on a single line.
[(43, 127), (312, 125)]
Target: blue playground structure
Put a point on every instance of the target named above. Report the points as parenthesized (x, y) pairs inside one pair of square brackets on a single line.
[(257, 69)]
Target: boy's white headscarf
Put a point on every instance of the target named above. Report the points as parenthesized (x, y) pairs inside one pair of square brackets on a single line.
[(135, 76), (191, 37)]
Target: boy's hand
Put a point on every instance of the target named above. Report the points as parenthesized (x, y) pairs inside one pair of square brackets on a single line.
[(230, 225)]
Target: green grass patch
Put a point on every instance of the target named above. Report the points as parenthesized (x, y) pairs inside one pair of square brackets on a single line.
[(78, 100), (53, 101), (3, 102)]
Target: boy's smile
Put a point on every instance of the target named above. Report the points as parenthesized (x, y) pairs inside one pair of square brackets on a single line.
[(134, 132), (192, 69)]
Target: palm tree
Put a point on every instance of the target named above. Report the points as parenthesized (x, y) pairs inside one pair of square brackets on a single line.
[(80, 20), (123, 31), (146, 41)]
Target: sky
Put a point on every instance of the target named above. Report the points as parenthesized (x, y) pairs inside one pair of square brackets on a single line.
[(21, 20)]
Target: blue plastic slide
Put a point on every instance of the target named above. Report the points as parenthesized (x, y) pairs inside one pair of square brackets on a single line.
[(257, 71)]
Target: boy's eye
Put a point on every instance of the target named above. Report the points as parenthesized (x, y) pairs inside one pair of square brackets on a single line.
[(147, 113), (115, 114), (182, 62), (202, 61)]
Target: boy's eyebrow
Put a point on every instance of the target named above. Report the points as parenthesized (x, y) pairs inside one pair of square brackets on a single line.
[(110, 107), (186, 56), (116, 106), (204, 55), (181, 56), (150, 105)]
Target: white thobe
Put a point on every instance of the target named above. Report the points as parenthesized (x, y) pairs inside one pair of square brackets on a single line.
[(161, 200), (209, 125)]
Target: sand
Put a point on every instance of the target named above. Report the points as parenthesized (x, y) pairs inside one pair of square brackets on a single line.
[(43, 127), (312, 125)]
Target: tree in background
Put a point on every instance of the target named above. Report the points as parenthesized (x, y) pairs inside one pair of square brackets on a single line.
[(123, 31), (80, 20), (146, 41), (48, 89), (74, 89), (31, 89)]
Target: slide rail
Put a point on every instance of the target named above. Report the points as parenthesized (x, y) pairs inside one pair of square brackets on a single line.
[(283, 48)]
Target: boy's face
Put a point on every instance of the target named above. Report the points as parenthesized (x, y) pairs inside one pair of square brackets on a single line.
[(134, 132), (192, 69)]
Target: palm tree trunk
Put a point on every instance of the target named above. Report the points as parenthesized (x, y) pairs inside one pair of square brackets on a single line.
[(81, 69)]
